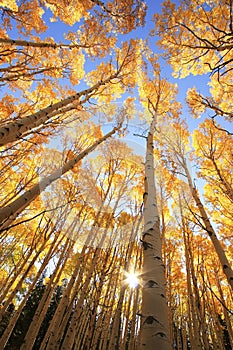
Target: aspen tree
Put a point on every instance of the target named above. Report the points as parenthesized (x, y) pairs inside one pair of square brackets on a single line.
[(64, 309), (10, 212), (193, 320), (72, 329), (13, 131), (115, 332), (59, 322), (225, 312), (46, 298), (187, 47), (74, 322), (133, 334), (209, 228), (96, 298), (154, 319), (20, 266), (213, 149), (105, 335), (22, 278), (176, 146), (198, 310)]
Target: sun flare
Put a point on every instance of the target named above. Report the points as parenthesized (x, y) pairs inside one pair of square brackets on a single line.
[(132, 279)]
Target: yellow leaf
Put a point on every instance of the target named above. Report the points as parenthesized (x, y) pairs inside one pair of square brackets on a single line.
[(10, 4)]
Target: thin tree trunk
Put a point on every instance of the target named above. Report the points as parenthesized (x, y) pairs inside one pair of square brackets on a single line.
[(7, 333), (114, 340), (228, 190), (64, 308), (19, 268), (193, 321), (42, 308), (209, 229), (73, 326), (21, 280), (96, 299), (15, 130), (199, 313), (109, 302), (193, 324), (133, 333), (11, 211), (127, 315), (41, 44)]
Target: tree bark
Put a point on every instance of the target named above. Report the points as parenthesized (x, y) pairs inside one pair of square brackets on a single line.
[(154, 319)]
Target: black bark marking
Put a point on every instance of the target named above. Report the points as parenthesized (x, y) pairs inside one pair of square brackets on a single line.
[(146, 234), (149, 223), (161, 334), (158, 258), (146, 245), (150, 320), (151, 284)]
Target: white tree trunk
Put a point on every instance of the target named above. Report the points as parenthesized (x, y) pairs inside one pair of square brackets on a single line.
[(11, 211), (15, 130), (154, 319), (227, 269)]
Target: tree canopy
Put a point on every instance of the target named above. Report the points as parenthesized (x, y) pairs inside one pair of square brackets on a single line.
[(116, 175)]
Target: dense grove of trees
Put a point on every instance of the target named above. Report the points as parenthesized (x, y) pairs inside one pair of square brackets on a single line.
[(106, 246)]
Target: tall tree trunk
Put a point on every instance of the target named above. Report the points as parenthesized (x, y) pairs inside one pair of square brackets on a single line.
[(109, 302), (193, 318), (154, 320), (75, 319), (62, 313), (11, 211), (225, 312), (209, 228), (116, 324), (15, 130), (133, 333), (64, 308), (96, 298)]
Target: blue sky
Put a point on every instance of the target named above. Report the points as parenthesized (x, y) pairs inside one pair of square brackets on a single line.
[(57, 29)]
